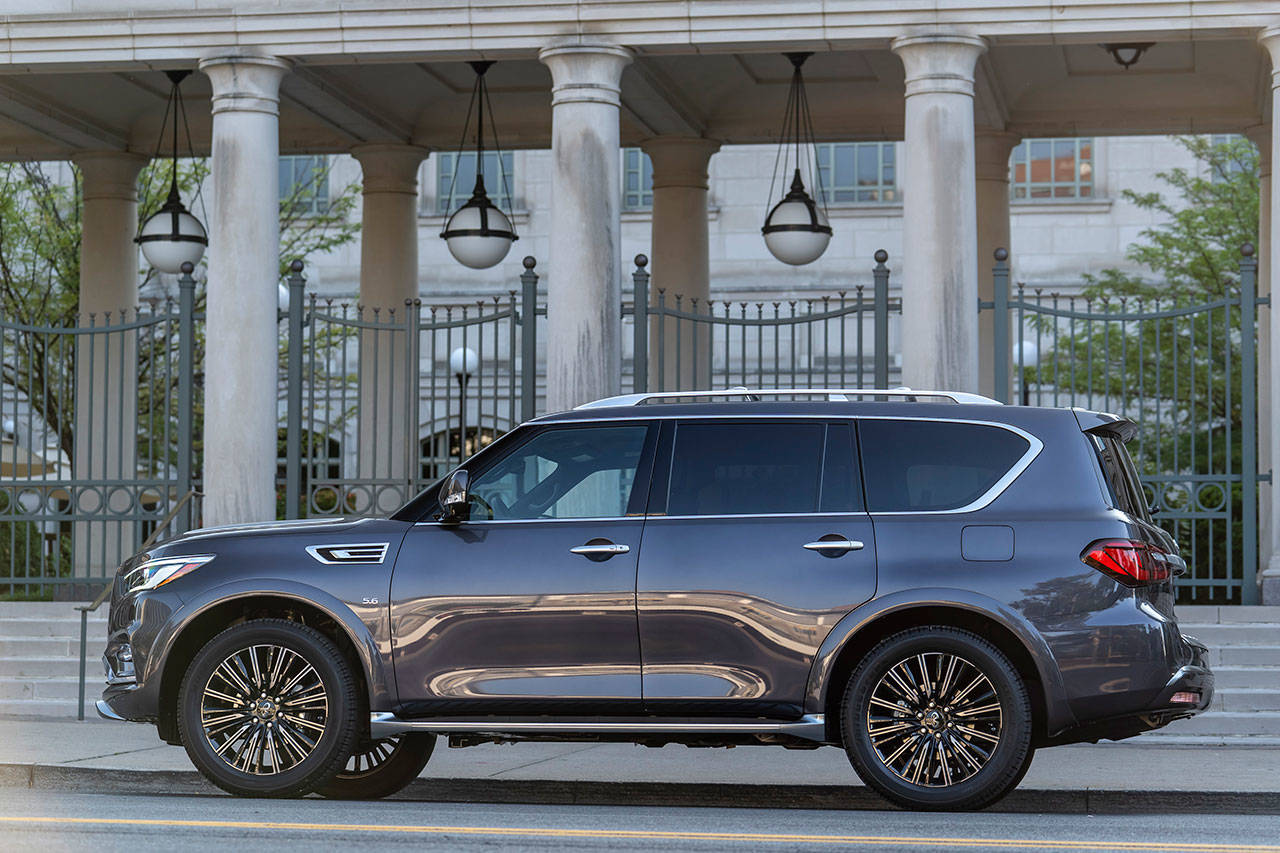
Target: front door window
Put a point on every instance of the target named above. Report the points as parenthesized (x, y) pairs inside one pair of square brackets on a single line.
[(562, 473)]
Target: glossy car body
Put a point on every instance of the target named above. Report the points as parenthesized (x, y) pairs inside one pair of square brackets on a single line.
[(702, 628)]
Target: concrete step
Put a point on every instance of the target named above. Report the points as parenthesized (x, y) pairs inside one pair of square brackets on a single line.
[(1255, 677), (1246, 699), (44, 609), (59, 688), (46, 667), (21, 647), (1224, 723), (40, 627), (1244, 656), (1244, 634), (1212, 614), (44, 707)]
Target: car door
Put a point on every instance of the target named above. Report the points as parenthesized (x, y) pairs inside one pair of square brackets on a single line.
[(756, 545), (529, 606)]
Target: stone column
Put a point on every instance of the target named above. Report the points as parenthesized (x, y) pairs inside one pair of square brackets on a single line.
[(106, 363), (991, 162), (1269, 262), (584, 292), (1260, 135), (939, 216), (680, 248), (388, 279), (240, 393)]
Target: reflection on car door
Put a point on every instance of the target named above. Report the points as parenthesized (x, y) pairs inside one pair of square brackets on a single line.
[(529, 607), (757, 544)]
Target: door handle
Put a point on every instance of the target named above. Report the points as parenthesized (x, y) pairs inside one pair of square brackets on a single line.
[(599, 550), (833, 545)]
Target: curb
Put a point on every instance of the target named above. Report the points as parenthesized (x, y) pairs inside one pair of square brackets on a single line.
[(555, 792)]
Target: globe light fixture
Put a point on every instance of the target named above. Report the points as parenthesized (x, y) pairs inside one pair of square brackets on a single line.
[(797, 229), (478, 234), (172, 236), (464, 361)]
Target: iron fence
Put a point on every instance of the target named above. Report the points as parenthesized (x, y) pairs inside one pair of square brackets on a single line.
[(1184, 369), (98, 442), (831, 340), (103, 418)]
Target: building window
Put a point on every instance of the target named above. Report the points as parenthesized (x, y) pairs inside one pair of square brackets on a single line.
[(456, 179), (858, 171), (637, 180), (1223, 171), (304, 184), (1052, 169)]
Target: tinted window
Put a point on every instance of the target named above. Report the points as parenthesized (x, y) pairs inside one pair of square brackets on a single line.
[(562, 473), (917, 466), (746, 468), (841, 486), (1123, 485)]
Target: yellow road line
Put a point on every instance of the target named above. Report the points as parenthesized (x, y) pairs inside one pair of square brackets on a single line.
[(635, 834)]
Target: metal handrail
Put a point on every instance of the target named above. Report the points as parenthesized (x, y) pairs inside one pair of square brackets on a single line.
[(86, 609)]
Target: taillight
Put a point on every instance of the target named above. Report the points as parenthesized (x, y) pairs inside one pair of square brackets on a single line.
[(1130, 562)]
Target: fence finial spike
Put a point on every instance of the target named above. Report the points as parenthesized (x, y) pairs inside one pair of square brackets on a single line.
[(881, 256), (188, 267), (1001, 254), (642, 260), (295, 266), (530, 262), (1247, 250)]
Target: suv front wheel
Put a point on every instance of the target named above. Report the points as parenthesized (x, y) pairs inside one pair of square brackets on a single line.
[(937, 718), (268, 708)]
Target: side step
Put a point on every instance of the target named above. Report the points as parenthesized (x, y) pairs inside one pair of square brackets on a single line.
[(809, 727)]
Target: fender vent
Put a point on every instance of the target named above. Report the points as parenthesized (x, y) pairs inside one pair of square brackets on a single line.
[(367, 552)]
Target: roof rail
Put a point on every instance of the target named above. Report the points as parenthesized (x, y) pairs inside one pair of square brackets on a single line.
[(832, 395)]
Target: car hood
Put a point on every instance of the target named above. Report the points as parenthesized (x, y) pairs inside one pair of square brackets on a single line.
[(213, 537)]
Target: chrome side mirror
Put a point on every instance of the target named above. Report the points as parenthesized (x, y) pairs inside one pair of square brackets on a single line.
[(454, 498)]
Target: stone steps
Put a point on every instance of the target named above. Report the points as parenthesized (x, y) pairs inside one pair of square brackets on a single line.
[(40, 658), (1244, 652)]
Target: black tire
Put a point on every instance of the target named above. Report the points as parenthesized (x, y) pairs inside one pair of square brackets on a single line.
[(966, 750), (304, 730), (381, 768)]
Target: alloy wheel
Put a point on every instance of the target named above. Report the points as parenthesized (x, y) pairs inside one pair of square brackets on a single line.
[(934, 719), (264, 709), (376, 755)]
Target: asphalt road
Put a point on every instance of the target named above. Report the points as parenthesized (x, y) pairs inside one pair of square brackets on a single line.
[(51, 821)]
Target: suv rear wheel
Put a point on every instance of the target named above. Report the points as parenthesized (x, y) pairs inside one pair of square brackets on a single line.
[(382, 767), (268, 708), (937, 718)]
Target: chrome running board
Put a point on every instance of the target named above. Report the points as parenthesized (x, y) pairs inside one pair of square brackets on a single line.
[(809, 727)]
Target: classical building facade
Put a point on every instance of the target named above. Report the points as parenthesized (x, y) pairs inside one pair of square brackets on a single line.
[(956, 85)]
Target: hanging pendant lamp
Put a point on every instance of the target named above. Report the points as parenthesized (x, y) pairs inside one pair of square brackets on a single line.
[(797, 230), (172, 236), (479, 234)]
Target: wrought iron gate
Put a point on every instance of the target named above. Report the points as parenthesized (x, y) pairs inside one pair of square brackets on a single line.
[(1186, 372)]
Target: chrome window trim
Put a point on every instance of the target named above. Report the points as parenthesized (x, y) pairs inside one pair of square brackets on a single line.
[(1035, 445), (584, 519), (314, 551)]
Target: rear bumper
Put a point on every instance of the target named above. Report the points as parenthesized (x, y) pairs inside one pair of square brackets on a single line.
[(1191, 685)]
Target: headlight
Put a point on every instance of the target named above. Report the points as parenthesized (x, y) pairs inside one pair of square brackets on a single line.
[(154, 573)]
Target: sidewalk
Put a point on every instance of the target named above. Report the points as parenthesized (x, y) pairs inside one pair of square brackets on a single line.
[(1133, 775)]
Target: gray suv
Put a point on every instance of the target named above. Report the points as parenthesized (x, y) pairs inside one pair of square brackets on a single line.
[(937, 584)]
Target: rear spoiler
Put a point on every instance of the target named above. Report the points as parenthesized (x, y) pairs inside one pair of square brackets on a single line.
[(1105, 424)]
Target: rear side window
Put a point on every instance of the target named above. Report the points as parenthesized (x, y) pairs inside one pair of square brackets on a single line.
[(741, 468), (927, 466), (1123, 486)]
